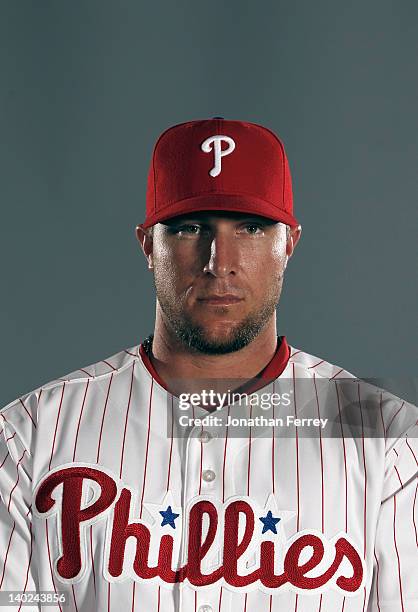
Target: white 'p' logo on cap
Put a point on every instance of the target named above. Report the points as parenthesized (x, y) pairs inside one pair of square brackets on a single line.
[(217, 150)]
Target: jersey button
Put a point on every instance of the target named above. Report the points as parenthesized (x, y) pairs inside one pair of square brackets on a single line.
[(205, 436), (208, 475), (205, 608)]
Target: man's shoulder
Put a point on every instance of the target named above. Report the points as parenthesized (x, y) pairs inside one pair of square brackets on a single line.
[(24, 407), (314, 365), (397, 415), (102, 368)]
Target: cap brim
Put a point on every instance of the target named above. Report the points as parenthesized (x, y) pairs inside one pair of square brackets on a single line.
[(222, 202)]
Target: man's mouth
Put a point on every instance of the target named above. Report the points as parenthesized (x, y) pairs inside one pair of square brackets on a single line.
[(225, 299)]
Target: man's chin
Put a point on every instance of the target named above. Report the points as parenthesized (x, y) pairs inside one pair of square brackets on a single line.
[(218, 340)]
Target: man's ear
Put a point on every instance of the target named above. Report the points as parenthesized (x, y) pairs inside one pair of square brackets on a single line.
[(144, 237), (292, 240)]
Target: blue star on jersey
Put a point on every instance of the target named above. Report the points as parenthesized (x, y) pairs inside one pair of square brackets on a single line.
[(168, 517), (269, 522)]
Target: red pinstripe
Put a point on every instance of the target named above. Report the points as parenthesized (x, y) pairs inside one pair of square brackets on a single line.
[(128, 353), (85, 372), (249, 454), (297, 465), (394, 416), (297, 449), (171, 446), (133, 596), (109, 364), (91, 531), (248, 484), (168, 476), (272, 450), (75, 602), (381, 417), (79, 418), (377, 581), (345, 460), (316, 364), (223, 483), (17, 480), (396, 549), (411, 449), (103, 418), (146, 454), (4, 460), (7, 552), (92, 558), (97, 461), (27, 412), (322, 458), (413, 514), (126, 420), (322, 474), (365, 484), (201, 461), (56, 426), (147, 448), (10, 437), (224, 461), (337, 373), (30, 558), (396, 470), (49, 558), (345, 471), (201, 458)]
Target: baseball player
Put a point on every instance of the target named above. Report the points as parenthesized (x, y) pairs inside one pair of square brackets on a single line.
[(213, 467)]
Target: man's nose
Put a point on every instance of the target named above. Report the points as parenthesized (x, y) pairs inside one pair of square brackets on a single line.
[(221, 256)]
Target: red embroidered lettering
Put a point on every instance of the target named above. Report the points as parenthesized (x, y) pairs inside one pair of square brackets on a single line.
[(72, 517), (162, 544)]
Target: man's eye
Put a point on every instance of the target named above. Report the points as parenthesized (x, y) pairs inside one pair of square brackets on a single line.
[(190, 228), (253, 228)]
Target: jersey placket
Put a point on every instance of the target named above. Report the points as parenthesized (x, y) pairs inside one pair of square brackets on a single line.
[(203, 451)]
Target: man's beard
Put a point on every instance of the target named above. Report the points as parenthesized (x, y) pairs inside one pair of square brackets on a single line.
[(194, 336)]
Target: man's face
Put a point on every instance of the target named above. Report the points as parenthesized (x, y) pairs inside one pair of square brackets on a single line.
[(218, 277)]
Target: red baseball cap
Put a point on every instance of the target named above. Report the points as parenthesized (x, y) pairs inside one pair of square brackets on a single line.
[(219, 165)]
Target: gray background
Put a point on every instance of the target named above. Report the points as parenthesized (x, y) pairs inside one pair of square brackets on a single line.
[(86, 88)]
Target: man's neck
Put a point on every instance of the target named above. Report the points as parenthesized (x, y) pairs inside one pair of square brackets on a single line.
[(173, 361)]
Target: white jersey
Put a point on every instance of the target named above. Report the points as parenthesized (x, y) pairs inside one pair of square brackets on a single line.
[(106, 498)]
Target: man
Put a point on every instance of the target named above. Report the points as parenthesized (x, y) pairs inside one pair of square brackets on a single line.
[(214, 467)]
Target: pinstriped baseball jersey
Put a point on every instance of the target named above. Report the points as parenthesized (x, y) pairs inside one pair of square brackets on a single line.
[(104, 496)]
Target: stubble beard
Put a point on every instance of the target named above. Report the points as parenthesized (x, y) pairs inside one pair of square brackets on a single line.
[(195, 337)]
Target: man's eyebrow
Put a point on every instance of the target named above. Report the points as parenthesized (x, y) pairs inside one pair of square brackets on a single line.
[(244, 219), (173, 222)]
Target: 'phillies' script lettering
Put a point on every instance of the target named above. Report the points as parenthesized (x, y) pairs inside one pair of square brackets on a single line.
[(112, 502)]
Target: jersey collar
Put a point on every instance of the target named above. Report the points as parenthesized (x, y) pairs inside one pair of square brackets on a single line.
[(271, 371)]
